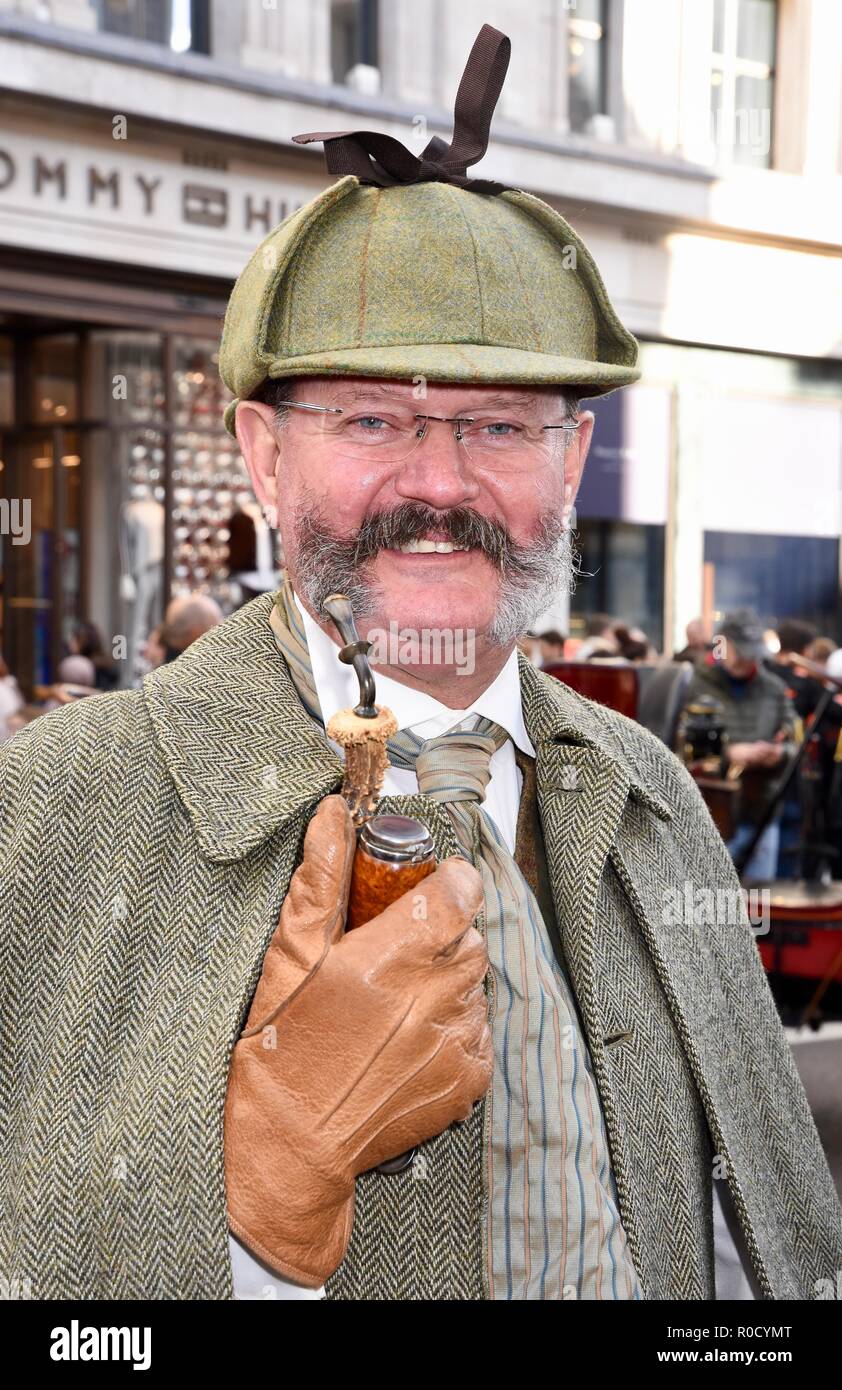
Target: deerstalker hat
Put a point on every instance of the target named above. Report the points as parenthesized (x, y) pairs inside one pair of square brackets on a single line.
[(406, 267)]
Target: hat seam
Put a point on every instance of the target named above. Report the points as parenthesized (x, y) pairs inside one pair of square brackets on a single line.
[(363, 300), (315, 210), (527, 299), (473, 241), (624, 344)]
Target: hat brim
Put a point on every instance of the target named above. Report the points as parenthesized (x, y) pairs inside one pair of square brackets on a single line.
[(478, 364)]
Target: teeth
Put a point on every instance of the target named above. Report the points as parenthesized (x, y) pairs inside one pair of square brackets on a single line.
[(422, 547)]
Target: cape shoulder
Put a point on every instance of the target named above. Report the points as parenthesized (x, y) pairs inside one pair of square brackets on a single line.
[(70, 749)]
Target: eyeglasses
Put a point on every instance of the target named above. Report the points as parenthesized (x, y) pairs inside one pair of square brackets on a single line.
[(380, 431)]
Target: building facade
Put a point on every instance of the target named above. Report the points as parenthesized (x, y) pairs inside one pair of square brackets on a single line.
[(145, 149)]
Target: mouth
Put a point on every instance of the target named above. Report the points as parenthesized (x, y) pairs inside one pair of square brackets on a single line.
[(430, 547)]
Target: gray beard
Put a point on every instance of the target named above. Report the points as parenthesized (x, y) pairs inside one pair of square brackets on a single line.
[(531, 577)]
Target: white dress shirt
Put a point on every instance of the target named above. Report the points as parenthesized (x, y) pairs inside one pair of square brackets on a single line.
[(337, 688)]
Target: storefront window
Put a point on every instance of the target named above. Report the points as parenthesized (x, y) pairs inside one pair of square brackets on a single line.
[(586, 64), (353, 36), (622, 575), (29, 555), (779, 576), (41, 496), (742, 79), (53, 395), (7, 381), (181, 25), (211, 488), (134, 490), (137, 487)]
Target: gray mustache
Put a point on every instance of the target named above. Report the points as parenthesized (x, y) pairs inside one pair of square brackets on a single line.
[(411, 521), (530, 575)]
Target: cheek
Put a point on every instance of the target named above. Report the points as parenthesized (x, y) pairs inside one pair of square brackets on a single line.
[(342, 495), (521, 500)]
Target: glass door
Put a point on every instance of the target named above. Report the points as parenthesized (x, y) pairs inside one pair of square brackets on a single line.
[(40, 507), (42, 570)]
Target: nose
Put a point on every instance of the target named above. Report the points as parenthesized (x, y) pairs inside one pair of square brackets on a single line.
[(438, 471)]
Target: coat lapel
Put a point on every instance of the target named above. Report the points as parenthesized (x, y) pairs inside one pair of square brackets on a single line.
[(584, 780)]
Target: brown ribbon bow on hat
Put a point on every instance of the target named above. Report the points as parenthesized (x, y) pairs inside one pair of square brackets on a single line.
[(380, 159)]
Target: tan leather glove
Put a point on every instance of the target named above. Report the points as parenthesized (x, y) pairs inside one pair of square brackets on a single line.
[(357, 1047)]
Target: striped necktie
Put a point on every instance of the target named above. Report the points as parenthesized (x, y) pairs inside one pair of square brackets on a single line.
[(554, 1229)]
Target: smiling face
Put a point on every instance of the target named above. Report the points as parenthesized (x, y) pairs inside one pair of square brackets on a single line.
[(444, 536)]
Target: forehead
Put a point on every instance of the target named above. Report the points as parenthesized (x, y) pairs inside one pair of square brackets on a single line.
[(445, 395)]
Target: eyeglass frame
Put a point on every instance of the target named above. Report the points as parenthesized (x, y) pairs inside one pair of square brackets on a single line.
[(421, 434)]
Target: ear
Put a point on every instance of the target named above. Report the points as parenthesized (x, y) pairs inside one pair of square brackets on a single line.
[(574, 461), (258, 441)]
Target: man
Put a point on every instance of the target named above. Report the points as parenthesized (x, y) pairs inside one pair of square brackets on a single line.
[(803, 811), (809, 823), (697, 645), (205, 1097), (185, 620), (758, 720), (551, 646)]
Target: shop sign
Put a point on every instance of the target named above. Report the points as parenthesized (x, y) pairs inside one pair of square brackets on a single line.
[(144, 203)]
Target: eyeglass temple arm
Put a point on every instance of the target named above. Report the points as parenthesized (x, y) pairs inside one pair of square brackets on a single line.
[(445, 419), (304, 405)]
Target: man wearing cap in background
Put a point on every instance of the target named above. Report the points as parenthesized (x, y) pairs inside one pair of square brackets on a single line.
[(203, 1094), (759, 722)]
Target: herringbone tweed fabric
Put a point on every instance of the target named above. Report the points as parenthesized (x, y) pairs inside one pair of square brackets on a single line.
[(147, 839)]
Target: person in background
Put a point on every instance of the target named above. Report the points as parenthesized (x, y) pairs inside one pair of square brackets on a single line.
[(154, 650), (599, 637), (77, 670), (599, 649), (551, 644), (697, 646), (86, 640), (758, 719), (833, 664), (76, 677), (11, 701), (625, 646), (186, 619), (794, 636), (632, 643), (807, 812), (821, 649)]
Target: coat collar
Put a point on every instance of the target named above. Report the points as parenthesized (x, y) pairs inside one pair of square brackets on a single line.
[(246, 758), (242, 751)]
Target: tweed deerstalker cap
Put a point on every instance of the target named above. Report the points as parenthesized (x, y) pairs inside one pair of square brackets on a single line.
[(408, 267)]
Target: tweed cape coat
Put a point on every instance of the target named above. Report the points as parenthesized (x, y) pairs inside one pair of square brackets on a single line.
[(147, 839)]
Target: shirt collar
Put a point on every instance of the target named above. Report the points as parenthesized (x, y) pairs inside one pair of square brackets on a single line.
[(336, 687)]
